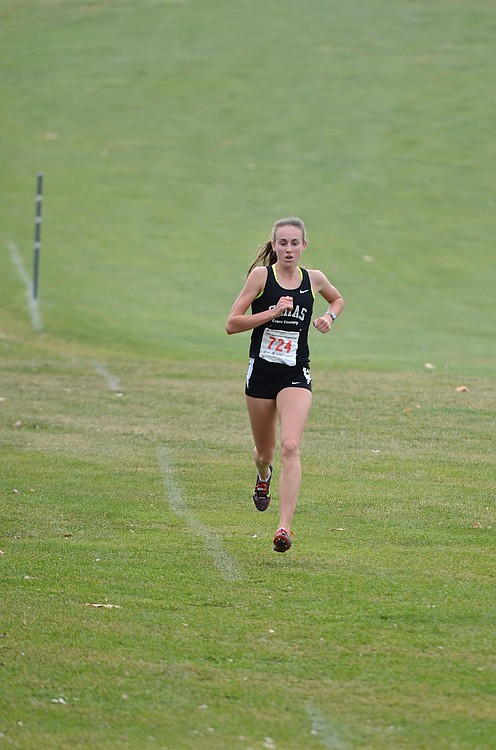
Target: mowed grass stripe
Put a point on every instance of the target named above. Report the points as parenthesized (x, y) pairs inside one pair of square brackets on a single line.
[(326, 733), (33, 304), (179, 506), (112, 381)]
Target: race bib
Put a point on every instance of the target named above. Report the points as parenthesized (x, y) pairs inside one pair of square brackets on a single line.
[(280, 346)]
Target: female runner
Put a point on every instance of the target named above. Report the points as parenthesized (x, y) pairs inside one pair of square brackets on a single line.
[(278, 381)]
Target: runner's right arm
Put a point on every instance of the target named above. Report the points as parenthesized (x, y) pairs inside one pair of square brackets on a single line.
[(237, 320)]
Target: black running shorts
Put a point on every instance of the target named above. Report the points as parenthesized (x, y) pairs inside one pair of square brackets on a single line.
[(267, 379)]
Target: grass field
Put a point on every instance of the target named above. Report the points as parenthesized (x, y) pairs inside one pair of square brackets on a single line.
[(172, 133)]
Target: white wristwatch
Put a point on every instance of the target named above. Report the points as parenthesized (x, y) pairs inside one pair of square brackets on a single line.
[(329, 312)]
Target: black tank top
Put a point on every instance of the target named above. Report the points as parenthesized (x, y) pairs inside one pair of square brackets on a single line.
[(283, 340)]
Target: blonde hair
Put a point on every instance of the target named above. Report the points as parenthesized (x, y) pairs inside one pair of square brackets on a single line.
[(265, 253)]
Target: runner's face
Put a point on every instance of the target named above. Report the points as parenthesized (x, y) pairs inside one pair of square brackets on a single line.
[(288, 244)]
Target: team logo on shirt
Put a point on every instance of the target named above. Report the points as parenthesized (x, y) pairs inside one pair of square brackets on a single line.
[(297, 312)]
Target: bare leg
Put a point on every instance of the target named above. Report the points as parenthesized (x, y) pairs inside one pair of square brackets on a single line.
[(263, 420), (293, 407)]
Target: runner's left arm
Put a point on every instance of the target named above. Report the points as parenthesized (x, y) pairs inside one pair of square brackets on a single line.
[(334, 299)]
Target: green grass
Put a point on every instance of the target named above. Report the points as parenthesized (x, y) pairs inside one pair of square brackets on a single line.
[(379, 620), (171, 135), (185, 128)]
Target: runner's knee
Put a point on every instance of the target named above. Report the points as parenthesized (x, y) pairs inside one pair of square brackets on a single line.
[(290, 448), (264, 456)]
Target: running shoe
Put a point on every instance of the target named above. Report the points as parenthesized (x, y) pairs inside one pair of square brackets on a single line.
[(282, 540), (261, 496)]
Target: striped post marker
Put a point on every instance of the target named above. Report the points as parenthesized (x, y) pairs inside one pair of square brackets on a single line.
[(37, 233)]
